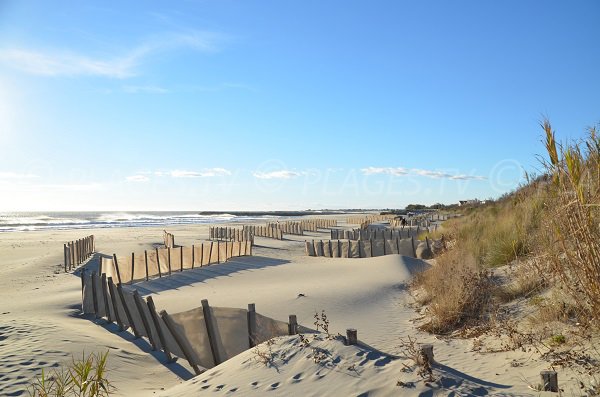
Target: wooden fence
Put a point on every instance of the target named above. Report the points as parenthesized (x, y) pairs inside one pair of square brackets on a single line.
[(76, 252), (291, 227), (368, 234), (169, 239), (162, 262), (265, 231), (230, 234), (313, 225), (361, 248), (204, 336), (370, 218)]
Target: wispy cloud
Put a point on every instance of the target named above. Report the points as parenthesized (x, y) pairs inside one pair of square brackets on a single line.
[(281, 174), (420, 172), (389, 170), (70, 63), (209, 172), (137, 178), (16, 175)]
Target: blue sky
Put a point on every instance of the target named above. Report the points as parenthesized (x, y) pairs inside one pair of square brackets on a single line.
[(215, 105)]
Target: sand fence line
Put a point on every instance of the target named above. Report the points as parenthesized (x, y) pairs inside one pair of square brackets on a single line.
[(367, 234), (230, 234), (78, 251), (264, 231), (361, 248), (169, 239), (161, 262)]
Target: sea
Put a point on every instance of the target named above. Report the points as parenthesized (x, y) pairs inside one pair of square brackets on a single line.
[(32, 221)]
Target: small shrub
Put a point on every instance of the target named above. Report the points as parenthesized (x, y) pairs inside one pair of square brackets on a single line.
[(81, 378), (456, 290)]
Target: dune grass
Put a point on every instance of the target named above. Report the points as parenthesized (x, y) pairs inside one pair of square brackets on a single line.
[(548, 230), (81, 378)]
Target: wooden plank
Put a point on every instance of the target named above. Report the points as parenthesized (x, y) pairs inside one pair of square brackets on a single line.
[(161, 336), (158, 263), (169, 259), (132, 267), (181, 258), (146, 262), (106, 298), (252, 324), (179, 340), (293, 325), (211, 331), (65, 255), (94, 294), (117, 268), (193, 255), (127, 312), (139, 304), (113, 298)]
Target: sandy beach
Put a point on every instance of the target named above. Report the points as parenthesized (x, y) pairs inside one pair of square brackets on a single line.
[(42, 325)]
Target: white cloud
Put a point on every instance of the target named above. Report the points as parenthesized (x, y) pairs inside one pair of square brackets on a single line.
[(282, 174), (137, 178), (210, 172), (398, 171), (389, 170), (16, 175), (69, 63)]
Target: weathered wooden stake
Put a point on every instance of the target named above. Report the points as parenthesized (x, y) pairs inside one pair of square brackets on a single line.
[(427, 351), (161, 336), (549, 381), (293, 325), (113, 298), (351, 336), (211, 332), (252, 324)]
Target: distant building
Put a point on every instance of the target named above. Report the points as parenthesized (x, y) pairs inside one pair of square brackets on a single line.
[(469, 202)]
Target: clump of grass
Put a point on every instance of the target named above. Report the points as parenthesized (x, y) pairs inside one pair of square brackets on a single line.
[(574, 215), (81, 378), (558, 339), (456, 290)]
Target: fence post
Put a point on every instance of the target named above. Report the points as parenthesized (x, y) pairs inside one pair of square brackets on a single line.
[(252, 324), (427, 351), (140, 308), (113, 298), (161, 336), (105, 294), (127, 312), (351, 336), (146, 263), (65, 254), (132, 267), (95, 294), (293, 325), (549, 381), (117, 268), (210, 331)]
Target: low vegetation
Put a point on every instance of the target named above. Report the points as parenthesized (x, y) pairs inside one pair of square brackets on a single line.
[(80, 378)]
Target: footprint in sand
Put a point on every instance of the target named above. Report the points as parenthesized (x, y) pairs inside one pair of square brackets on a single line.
[(297, 378), (274, 386), (233, 390), (254, 384)]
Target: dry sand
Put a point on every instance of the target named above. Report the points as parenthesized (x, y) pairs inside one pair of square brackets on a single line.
[(41, 325)]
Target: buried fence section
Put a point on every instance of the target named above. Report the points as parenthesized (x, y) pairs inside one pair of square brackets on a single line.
[(230, 234), (265, 231), (205, 336)]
